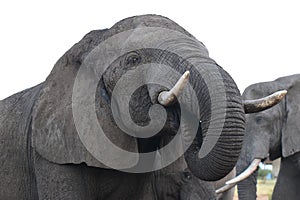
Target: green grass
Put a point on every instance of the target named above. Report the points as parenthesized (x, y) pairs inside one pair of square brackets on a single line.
[(265, 188)]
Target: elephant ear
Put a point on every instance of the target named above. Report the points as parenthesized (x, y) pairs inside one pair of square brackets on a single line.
[(291, 127), (54, 133)]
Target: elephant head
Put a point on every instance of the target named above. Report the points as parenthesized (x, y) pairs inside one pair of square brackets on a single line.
[(184, 185), (188, 186), (272, 133), (152, 52)]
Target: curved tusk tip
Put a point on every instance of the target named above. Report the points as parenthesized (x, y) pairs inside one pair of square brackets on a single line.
[(225, 188), (281, 93), (284, 91), (186, 74)]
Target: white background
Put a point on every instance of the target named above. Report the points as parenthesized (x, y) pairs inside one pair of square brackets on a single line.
[(254, 41)]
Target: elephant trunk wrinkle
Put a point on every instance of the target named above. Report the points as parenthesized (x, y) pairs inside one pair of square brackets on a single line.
[(221, 159)]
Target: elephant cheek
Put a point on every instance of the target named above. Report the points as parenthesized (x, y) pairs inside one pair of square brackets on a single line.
[(256, 145), (260, 149)]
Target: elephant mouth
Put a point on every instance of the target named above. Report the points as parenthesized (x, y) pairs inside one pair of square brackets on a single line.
[(173, 121), (139, 108), (165, 135)]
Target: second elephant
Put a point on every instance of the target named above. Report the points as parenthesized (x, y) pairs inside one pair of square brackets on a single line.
[(273, 133)]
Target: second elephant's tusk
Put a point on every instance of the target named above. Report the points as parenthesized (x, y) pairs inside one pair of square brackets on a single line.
[(167, 98), (257, 105), (245, 174), (224, 188)]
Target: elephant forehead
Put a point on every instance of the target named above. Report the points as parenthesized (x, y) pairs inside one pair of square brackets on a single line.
[(259, 90), (149, 20), (148, 37)]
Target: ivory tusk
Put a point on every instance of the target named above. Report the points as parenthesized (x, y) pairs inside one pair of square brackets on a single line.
[(167, 98), (257, 105), (224, 188), (245, 174)]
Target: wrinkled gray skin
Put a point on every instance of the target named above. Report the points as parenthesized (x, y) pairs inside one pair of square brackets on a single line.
[(42, 156), (275, 133)]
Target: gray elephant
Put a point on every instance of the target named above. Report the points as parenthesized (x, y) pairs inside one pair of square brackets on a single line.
[(51, 143), (273, 133)]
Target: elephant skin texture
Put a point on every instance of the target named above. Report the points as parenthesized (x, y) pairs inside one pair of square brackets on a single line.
[(46, 154), (273, 133)]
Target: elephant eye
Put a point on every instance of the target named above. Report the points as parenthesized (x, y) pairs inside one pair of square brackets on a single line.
[(132, 59), (259, 119), (187, 175)]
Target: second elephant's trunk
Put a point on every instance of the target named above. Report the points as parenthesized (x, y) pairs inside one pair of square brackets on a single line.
[(247, 187)]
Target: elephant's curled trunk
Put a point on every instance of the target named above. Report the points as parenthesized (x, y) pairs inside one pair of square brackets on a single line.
[(221, 159)]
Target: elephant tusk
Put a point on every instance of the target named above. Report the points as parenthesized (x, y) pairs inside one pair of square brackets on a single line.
[(225, 188), (245, 174), (257, 105), (167, 98)]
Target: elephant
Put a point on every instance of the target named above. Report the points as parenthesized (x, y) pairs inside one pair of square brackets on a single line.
[(273, 133), (79, 135)]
